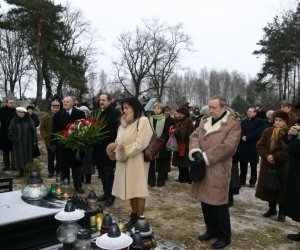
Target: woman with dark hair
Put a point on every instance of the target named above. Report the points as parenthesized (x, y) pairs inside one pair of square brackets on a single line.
[(131, 173), (183, 128)]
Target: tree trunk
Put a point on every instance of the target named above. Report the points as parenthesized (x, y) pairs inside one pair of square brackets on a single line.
[(39, 88), (47, 80)]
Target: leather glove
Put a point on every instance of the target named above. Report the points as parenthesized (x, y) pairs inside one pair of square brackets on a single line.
[(198, 156), (197, 167)]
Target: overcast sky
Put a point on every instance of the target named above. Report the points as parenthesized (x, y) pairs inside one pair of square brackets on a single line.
[(224, 32)]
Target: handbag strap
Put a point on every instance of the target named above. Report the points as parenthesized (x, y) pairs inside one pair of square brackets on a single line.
[(137, 126)]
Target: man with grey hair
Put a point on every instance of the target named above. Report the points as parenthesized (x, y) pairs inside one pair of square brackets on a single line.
[(212, 146), (67, 157), (268, 122)]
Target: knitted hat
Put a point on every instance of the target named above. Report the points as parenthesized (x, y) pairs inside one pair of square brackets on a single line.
[(281, 114), (84, 108), (21, 109), (183, 110)]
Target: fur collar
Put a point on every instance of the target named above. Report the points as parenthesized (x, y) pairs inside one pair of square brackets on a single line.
[(217, 126), (125, 121)]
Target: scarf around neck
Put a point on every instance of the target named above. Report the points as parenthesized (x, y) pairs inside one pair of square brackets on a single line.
[(276, 134), (160, 123)]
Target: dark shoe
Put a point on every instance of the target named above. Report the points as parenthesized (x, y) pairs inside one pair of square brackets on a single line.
[(109, 201), (294, 237), (131, 223), (269, 213), (50, 175), (79, 190), (5, 169), (205, 237), (102, 197), (151, 184), (220, 244), (252, 185), (281, 217), (87, 182)]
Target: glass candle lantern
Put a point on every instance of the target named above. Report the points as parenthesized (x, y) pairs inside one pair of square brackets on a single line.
[(65, 188), (92, 200), (67, 231), (83, 240), (99, 218), (105, 223), (34, 189), (58, 188), (53, 190), (114, 239)]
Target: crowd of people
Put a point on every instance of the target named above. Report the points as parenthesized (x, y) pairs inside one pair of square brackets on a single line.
[(214, 139)]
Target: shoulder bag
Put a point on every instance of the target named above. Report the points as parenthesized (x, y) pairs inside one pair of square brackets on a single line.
[(154, 146)]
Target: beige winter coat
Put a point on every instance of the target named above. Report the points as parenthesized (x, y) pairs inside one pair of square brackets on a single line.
[(131, 170), (218, 144)]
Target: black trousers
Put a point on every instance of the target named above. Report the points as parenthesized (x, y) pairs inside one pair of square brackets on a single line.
[(160, 166), (106, 168), (68, 161), (52, 156), (6, 158), (244, 169), (217, 220)]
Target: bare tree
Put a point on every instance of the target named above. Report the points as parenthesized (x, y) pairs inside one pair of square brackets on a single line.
[(168, 41), (14, 60), (149, 56)]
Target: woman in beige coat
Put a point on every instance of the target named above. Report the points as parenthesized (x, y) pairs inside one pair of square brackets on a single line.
[(131, 173)]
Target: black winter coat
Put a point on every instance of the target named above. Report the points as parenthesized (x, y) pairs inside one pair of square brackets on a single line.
[(60, 120), (6, 115), (22, 134), (35, 119), (252, 129), (292, 201), (112, 118)]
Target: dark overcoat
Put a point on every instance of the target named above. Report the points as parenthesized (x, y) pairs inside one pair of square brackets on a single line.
[(292, 201), (112, 118), (22, 134), (60, 120), (6, 115), (252, 129), (281, 165)]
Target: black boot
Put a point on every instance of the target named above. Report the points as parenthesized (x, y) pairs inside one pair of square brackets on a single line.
[(131, 223), (272, 210), (294, 237)]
